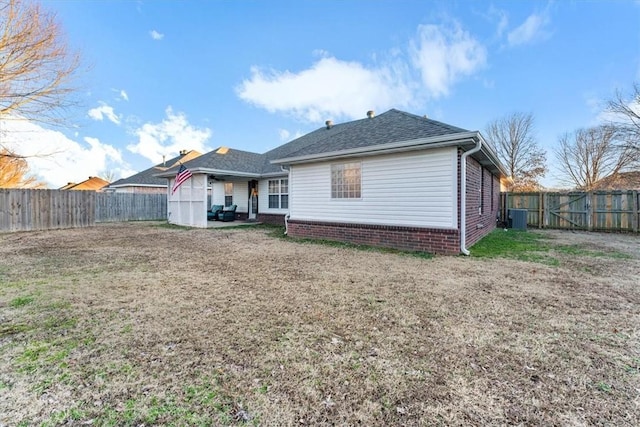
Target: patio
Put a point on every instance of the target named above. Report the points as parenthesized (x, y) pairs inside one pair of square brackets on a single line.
[(236, 223)]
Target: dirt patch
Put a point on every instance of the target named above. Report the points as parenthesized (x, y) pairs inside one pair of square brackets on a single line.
[(130, 324)]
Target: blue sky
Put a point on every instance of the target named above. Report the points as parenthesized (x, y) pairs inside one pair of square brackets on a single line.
[(161, 76)]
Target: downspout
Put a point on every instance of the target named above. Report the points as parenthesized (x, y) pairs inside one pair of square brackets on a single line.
[(463, 195), (286, 217)]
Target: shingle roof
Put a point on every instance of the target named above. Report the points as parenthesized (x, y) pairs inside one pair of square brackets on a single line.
[(620, 181), (93, 183), (147, 178), (229, 159), (391, 126)]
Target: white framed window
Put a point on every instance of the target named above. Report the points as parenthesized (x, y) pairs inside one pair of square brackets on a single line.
[(279, 193), (345, 180), (228, 193)]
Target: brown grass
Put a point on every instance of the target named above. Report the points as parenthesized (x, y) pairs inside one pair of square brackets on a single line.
[(130, 324)]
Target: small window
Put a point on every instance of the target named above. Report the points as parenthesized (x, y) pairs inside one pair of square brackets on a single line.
[(278, 194), (345, 181), (228, 193)]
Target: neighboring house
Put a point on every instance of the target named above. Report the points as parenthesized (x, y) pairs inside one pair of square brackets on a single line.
[(146, 181), (94, 183), (392, 180), (619, 181)]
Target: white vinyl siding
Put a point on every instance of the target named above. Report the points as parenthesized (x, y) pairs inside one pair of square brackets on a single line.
[(240, 194), (188, 205), (408, 189)]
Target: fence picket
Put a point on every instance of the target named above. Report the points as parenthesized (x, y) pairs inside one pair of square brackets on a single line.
[(601, 210), (37, 209)]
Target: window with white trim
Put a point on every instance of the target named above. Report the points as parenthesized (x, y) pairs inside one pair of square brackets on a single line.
[(279, 193), (345, 180), (228, 193)]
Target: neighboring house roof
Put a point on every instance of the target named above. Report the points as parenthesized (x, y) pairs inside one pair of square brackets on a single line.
[(376, 134), (147, 177), (620, 181), (93, 183), (225, 160), (68, 186)]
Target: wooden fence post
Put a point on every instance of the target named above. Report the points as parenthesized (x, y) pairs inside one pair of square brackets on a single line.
[(590, 211), (635, 219), (540, 209)]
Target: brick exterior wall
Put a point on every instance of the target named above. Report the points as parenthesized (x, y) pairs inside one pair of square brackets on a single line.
[(271, 219), (481, 213), (481, 220), (437, 241)]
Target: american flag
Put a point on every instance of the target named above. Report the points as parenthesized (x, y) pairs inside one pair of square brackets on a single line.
[(183, 175)]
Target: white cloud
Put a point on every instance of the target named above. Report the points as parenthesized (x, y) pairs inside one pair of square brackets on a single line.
[(534, 28), (501, 17), (104, 110), (444, 54), (331, 88), (156, 35), (56, 159), (168, 137), (121, 94), (284, 134)]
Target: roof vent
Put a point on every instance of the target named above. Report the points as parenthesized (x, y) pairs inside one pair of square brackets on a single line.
[(329, 124), (426, 117), (183, 152), (371, 114)]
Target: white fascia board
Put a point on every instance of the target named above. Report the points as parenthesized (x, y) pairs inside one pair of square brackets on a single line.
[(225, 172), (491, 154), (394, 147), (211, 172), (137, 185), (274, 174)]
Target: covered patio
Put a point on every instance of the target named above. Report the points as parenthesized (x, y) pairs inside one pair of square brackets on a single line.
[(236, 223)]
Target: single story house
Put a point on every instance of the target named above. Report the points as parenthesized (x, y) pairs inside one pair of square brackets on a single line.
[(395, 180), (94, 183), (146, 181), (619, 181)]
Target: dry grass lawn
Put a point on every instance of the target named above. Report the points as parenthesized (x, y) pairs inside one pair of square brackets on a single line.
[(142, 324)]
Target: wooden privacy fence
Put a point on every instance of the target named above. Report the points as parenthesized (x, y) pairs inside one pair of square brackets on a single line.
[(113, 207), (593, 211), (32, 209)]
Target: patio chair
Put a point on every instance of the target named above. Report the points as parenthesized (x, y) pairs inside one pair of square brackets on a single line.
[(212, 214), (227, 214)]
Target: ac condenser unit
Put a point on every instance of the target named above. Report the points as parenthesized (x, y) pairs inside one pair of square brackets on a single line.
[(518, 219)]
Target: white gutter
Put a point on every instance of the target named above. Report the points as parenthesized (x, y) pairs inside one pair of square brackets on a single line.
[(463, 195), (283, 168), (210, 171)]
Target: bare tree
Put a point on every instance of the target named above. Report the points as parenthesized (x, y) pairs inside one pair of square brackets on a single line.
[(14, 172), (588, 155), (36, 65), (109, 175), (514, 140), (625, 111)]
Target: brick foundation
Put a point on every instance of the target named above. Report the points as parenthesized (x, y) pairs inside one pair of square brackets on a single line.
[(271, 219), (446, 242)]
